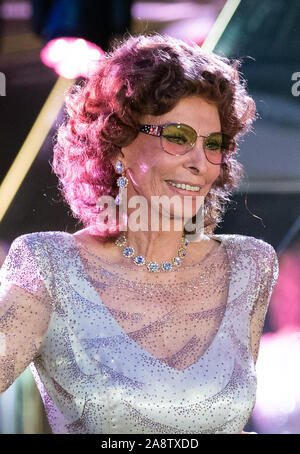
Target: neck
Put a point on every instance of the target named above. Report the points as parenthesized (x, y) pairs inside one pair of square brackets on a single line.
[(155, 246), (161, 242), (162, 245)]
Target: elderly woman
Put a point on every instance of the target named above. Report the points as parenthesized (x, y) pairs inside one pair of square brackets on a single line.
[(131, 327)]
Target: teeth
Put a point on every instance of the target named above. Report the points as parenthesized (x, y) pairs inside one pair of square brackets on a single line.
[(185, 186)]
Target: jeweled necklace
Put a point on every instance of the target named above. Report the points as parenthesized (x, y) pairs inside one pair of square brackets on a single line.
[(169, 265)]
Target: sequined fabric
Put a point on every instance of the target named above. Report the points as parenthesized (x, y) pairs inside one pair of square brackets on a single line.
[(120, 350)]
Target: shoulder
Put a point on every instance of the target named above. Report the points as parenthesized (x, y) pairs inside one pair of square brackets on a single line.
[(29, 259), (248, 243), (36, 237), (44, 253), (261, 252), (41, 241)]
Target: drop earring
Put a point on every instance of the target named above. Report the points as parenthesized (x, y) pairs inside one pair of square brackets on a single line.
[(122, 181)]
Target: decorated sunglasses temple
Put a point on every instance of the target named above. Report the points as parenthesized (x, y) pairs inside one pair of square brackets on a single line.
[(152, 130)]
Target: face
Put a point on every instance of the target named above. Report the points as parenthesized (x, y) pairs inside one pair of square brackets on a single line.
[(148, 167)]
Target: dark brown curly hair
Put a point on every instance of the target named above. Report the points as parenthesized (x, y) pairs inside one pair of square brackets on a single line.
[(144, 74)]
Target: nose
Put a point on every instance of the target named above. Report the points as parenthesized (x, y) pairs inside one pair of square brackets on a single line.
[(195, 159)]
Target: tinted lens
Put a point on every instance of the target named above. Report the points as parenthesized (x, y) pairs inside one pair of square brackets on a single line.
[(178, 139), (217, 146)]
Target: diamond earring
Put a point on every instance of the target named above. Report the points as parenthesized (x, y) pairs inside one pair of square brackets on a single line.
[(122, 181)]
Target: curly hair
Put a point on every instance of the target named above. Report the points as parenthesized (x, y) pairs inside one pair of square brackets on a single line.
[(144, 74)]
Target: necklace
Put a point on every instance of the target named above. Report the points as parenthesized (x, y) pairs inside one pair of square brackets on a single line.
[(169, 265)]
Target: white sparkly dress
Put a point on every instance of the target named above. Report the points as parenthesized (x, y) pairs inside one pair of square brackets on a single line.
[(182, 363)]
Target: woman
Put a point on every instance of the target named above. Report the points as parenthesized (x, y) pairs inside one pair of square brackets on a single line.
[(134, 330)]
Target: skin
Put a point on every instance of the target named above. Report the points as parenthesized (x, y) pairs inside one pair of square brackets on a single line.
[(147, 168)]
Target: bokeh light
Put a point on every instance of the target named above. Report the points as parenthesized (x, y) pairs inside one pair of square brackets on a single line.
[(71, 57)]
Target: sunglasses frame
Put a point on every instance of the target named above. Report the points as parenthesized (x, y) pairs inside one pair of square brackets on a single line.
[(157, 130)]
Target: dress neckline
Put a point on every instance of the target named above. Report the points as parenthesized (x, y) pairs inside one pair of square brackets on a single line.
[(210, 253), (159, 362)]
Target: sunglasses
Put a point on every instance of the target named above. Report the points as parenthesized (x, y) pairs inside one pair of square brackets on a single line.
[(178, 139)]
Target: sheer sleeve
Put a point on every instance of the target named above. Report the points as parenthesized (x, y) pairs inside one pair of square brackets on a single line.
[(268, 269), (25, 310)]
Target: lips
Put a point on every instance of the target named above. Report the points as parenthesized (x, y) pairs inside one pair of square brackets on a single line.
[(183, 182), (183, 191)]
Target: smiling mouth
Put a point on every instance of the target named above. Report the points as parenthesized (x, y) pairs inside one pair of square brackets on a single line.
[(183, 190)]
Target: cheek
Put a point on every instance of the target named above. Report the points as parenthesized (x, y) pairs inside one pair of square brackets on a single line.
[(146, 174), (216, 172), (148, 167), (139, 167), (214, 176), (142, 159)]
